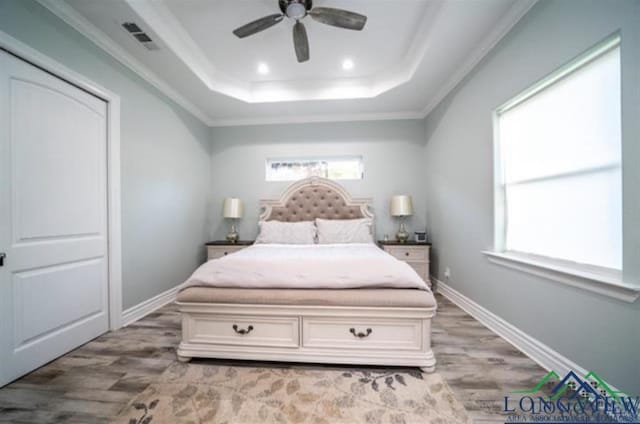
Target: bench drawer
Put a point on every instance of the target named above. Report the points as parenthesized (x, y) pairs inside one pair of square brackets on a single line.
[(358, 333), (242, 330)]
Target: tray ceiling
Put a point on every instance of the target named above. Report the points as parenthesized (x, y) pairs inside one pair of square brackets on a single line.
[(409, 55)]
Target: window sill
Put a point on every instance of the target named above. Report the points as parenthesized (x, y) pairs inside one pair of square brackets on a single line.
[(605, 283)]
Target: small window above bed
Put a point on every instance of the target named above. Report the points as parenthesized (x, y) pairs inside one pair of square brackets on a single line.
[(333, 168)]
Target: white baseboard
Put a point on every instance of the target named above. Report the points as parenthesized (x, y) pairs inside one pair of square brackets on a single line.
[(539, 352), (143, 309)]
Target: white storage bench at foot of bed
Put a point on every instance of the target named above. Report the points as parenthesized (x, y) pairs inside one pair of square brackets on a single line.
[(352, 326)]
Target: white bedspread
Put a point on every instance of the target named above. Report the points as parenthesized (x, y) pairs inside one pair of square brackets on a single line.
[(330, 266)]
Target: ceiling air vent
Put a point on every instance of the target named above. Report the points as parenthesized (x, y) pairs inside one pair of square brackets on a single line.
[(141, 36), (131, 27)]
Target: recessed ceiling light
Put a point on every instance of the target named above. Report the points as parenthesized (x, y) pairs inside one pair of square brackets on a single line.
[(263, 69), (347, 64)]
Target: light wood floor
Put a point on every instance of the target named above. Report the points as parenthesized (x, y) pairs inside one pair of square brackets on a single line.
[(94, 382)]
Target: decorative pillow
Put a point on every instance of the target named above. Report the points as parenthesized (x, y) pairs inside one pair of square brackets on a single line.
[(273, 232), (345, 230)]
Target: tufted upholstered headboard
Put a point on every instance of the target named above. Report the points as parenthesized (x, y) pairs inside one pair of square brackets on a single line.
[(312, 198)]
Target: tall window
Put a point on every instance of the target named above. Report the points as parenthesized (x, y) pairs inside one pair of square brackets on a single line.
[(335, 168), (558, 151)]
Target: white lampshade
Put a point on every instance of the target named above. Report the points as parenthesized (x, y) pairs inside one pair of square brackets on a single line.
[(401, 205), (233, 208)]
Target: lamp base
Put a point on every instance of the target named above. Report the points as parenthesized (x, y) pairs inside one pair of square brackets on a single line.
[(402, 235), (233, 235)]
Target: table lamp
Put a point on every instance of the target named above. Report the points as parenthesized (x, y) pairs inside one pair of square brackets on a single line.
[(232, 209), (401, 206)]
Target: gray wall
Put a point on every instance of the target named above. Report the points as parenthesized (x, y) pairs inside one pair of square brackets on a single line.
[(392, 151), (596, 332), (165, 157)]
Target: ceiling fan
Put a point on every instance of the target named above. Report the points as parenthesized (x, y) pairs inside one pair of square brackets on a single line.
[(299, 9)]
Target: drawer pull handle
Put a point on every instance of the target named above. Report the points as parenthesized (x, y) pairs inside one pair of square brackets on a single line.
[(242, 331), (406, 253), (360, 334)]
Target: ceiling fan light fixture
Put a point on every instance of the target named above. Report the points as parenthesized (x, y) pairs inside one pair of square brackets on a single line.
[(296, 10), (263, 68)]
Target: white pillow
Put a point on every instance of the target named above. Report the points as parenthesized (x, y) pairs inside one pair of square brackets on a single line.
[(345, 230), (286, 232)]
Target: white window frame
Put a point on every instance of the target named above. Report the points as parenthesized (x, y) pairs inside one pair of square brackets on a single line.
[(359, 158), (600, 280)]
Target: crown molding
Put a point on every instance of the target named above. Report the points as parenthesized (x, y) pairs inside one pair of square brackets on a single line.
[(502, 28), (307, 119), (65, 12)]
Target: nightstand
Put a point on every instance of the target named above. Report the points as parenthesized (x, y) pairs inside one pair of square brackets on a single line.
[(220, 248), (415, 254)]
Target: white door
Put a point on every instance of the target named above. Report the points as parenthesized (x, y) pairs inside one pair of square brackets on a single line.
[(53, 219)]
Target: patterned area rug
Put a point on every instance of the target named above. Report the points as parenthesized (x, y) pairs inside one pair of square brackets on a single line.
[(206, 393)]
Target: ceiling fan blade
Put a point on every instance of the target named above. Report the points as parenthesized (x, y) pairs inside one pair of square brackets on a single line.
[(338, 17), (258, 25), (301, 42)]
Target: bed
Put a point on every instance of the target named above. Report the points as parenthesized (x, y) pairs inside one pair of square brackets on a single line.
[(343, 304)]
